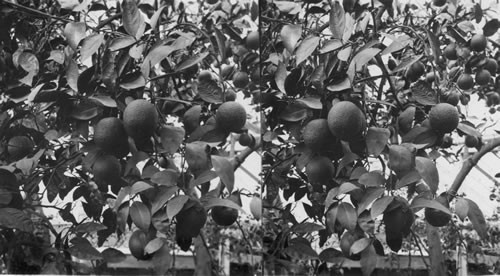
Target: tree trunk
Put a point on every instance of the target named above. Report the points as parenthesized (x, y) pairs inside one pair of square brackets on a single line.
[(438, 266)]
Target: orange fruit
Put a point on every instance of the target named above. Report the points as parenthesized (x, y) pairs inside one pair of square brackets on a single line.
[(443, 118), (319, 170), (346, 121), (436, 217), (471, 141), (19, 146), (256, 207), (465, 81), (110, 136), (450, 51), (137, 242), (478, 42), (415, 71), (240, 79), (246, 140), (230, 95), (107, 169), (212, 2), (253, 40), (191, 219), (453, 98), (223, 215), (231, 116), (483, 77), (491, 65), (316, 135), (439, 3), (447, 142), (140, 119)]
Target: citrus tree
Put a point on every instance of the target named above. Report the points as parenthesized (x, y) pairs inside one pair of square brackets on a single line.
[(360, 98), (127, 109)]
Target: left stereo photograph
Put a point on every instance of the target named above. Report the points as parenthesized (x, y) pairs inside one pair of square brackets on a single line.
[(130, 137)]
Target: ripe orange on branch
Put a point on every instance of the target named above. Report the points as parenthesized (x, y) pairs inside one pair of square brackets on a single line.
[(140, 119), (110, 136), (443, 118), (346, 121), (231, 116)]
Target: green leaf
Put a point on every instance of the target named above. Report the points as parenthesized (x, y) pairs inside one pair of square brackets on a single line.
[(468, 130), (280, 77), (72, 74), (337, 20), (397, 44), (420, 202), (406, 63), (197, 156), (345, 188), (360, 245), (491, 27), (293, 112), (346, 215), (221, 43), (210, 91), (212, 202), (301, 248), (154, 245), (132, 19), (175, 205), (461, 208), (137, 81), (372, 179), (401, 159), (162, 197), (90, 227), (85, 251), (330, 255), (331, 218), (204, 177), (171, 138), (380, 205), (16, 219), (90, 45), (166, 177), (191, 61), (306, 48), (106, 101), (376, 140), (476, 217), (428, 171), (162, 260), (340, 86), (306, 227), (156, 16), (368, 260), (112, 255), (121, 42), (371, 193), (74, 33), (140, 215), (224, 170), (409, 178), (330, 46), (138, 187), (311, 102), (290, 35)]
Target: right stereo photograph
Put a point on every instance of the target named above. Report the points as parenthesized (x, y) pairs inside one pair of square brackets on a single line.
[(380, 137)]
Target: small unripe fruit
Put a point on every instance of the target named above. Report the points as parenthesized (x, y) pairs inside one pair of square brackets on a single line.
[(416, 70), (483, 77), (478, 42), (19, 146), (471, 141), (246, 140), (491, 65), (253, 40), (439, 3), (465, 81), (447, 142), (453, 98), (450, 51), (240, 79), (231, 116)]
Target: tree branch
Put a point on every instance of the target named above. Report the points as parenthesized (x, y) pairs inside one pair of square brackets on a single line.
[(469, 163), (240, 158)]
